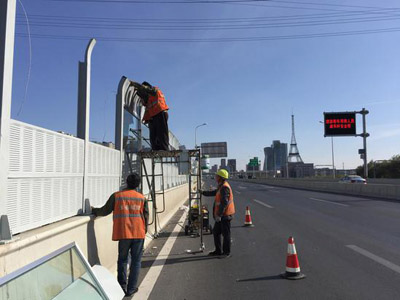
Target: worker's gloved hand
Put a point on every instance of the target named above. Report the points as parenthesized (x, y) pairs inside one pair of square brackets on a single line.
[(135, 84), (92, 212), (217, 219)]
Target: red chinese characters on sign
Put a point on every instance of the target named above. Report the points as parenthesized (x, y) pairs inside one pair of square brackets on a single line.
[(340, 123)]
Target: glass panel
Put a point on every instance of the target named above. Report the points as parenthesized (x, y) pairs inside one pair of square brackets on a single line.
[(132, 135), (145, 137), (64, 276)]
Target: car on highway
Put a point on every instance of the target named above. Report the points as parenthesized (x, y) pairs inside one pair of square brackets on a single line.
[(353, 179)]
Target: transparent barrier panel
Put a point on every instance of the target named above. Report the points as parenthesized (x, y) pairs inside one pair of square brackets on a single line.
[(63, 276)]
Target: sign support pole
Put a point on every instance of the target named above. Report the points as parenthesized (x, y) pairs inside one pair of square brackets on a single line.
[(364, 112)]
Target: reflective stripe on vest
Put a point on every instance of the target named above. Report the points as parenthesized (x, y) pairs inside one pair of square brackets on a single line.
[(155, 105), (128, 216), (230, 207)]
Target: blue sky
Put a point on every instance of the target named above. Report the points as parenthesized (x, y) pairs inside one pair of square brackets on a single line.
[(244, 90)]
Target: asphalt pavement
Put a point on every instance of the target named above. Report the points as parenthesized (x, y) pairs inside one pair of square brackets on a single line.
[(348, 247)]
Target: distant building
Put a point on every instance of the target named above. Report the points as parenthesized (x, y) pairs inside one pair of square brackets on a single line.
[(105, 144), (327, 172), (299, 170), (214, 168), (109, 144), (66, 133), (223, 163), (250, 168), (275, 156), (232, 165)]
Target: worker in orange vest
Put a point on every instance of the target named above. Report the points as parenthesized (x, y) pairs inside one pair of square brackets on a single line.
[(156, 114), (130, 219), (223, 211)]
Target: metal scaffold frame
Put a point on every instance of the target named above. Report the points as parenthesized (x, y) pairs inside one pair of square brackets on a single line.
[(172, 157)]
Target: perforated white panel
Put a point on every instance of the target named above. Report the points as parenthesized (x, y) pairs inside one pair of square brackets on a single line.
[(45, 181), (103, 173), (33, 202), (38, 150)]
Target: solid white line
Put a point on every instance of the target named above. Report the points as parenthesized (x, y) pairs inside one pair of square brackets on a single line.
[(262, 203), (328, 201), (238, 192), (151, 277), (242, 187), (376, 258)]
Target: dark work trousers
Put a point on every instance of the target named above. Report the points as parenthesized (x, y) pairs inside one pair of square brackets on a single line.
[(224, 228), (135, 247), (159, 134)]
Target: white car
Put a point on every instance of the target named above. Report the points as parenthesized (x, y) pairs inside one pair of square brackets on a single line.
[(353, 179)]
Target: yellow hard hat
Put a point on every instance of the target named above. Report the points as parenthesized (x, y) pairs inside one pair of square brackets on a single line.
[(223, 173)]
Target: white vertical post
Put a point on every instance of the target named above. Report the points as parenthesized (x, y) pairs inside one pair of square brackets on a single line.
[(119, 122), (7, 32), (84, 116)]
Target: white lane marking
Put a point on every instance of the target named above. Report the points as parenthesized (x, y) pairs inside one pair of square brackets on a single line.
[(238, 192), (242, 187), (315, 199), (376, 258), (262, 203), (151, 277)]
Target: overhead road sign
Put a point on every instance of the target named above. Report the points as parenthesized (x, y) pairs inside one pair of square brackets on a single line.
[(344, 124), (340, 124), (215, 150), (254, 162)]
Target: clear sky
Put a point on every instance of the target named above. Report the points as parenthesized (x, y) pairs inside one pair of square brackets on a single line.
[(240, 66)]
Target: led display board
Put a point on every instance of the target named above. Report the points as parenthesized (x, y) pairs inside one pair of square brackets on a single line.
[(214, 150), (340, 123)]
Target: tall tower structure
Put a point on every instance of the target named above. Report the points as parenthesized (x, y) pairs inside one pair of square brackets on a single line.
[(294, 155)]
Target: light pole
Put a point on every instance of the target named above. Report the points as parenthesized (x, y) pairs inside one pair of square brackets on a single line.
[(333, 156), (195, 134)]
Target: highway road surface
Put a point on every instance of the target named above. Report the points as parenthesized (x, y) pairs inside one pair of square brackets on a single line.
[(348, 247)]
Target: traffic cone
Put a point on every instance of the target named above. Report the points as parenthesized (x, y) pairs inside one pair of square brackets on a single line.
[(247, 220), (292, 263)]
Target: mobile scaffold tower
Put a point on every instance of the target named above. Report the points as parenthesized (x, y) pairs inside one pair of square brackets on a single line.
[(189, 164)]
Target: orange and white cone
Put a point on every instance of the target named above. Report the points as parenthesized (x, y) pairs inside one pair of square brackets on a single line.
[(292, 263), (247, 220)]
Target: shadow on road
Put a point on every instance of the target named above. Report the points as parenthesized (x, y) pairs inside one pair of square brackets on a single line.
[(171, 261), (272, 277), (240, 226)]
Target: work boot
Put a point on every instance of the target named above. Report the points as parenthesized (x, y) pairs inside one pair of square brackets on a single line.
[(129, 294), (214, 253), (225, 255)]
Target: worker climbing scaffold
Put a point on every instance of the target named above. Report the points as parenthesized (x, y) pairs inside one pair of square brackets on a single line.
[(150, 163)]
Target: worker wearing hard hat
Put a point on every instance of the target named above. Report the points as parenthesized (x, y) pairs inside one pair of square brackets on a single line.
[(156, 114), (223, 211)]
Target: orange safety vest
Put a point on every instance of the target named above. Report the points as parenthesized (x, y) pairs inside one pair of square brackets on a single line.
[(155, 105), (128, 216), (230, 208)]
